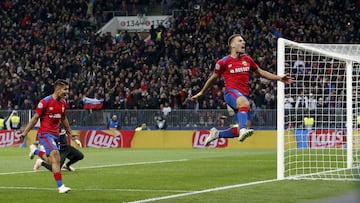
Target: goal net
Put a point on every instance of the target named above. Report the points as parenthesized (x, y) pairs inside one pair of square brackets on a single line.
[(318, 116)]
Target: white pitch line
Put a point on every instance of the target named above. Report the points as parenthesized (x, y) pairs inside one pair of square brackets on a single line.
[(95, 189), (26, 188), (133, 164), (203, 191), (105, 166)]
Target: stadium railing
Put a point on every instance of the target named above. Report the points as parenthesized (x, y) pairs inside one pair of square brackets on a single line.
[(176, 119)]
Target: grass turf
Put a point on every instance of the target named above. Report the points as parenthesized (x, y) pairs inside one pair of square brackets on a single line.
[(179, 175)]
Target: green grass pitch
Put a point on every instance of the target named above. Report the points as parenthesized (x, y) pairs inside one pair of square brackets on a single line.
[(162, 175)]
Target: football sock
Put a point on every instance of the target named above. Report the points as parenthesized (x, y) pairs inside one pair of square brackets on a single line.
[(242, 116), (58, 178), (40, 153), (230, 132), (46, 165)]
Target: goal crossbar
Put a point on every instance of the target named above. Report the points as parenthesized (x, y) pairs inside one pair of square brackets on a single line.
[(348, 52)]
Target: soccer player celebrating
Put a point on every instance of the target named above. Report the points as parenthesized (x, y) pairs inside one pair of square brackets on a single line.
[(51, 111), (235, 70)]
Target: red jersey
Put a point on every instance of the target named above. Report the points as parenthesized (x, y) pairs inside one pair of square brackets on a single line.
[(50, 111), (235, 72)]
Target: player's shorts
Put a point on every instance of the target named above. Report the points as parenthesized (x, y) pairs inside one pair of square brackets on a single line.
[(230, 97), (49, 141)]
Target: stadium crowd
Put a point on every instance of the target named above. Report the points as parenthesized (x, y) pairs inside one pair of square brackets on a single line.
[(42, 41)]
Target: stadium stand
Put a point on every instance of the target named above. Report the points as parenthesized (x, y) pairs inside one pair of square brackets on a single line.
[(44, 40)]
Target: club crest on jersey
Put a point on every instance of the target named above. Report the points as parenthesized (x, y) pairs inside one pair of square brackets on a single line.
[(51, 108), (217, 66), (62, 109), (244, 63)]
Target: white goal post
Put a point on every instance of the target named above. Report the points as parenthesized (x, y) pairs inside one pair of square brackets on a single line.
[(318, 116)]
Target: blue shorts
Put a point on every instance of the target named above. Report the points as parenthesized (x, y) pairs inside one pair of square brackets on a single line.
[(49, 141), (230, 97)]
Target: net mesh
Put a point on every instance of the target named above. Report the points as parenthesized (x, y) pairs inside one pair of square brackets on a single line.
[(315, 142)]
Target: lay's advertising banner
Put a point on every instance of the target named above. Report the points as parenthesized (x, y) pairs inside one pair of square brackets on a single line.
[(10, 138), (321, 138), (106, 138), (166, 139), (200, 136), (264, 139)]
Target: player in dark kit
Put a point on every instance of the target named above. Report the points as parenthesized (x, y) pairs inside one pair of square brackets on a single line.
[(66, 152), (51, 112)]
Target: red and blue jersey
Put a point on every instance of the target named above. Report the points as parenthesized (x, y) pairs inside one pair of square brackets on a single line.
[(235, 72), (50, 111)]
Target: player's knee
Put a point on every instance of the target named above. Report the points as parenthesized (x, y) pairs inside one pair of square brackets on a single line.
[(80, 156), (55, 154), (54, 157), (242, 101)]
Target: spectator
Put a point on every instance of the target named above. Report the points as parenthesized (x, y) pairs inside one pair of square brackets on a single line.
[(2, 123), (166, 109), (152, 33), (113, 123), (160, 123), (15, 121), (221, 121), (300, 65), (288, 102), (320, 103), (312, 103), (302, 101), (141, 127)]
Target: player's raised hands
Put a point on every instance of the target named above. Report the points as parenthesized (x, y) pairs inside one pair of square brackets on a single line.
[(287, 79), (196, 96)]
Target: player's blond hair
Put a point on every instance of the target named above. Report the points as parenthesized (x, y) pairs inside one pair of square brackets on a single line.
[(232, 37)]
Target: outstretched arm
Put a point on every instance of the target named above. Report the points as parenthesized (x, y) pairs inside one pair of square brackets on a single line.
[(285, 78), (209, 83)]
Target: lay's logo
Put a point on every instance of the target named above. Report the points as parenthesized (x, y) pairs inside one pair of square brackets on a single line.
[(200, 136)]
